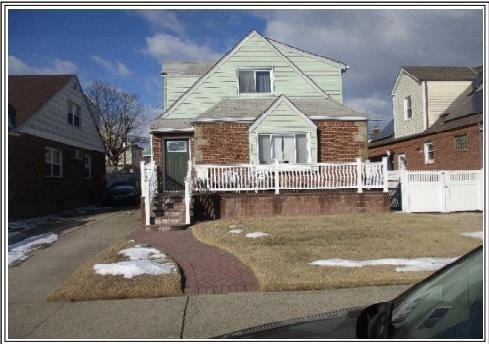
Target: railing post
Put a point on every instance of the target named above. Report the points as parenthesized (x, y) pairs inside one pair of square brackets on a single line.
[(359, 176), (276, 177), (188, 192), (385, 173)]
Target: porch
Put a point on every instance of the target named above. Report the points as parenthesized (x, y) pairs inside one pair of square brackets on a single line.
[(324, 187)]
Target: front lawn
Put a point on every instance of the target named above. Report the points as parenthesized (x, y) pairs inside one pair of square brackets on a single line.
[(281, 260), (86, 284)]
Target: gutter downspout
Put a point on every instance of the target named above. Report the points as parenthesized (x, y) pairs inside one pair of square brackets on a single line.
[(163, 76), (424, 85)]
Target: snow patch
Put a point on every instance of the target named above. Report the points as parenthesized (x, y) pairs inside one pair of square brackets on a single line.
[(142, 261), (20, 251), (236, 231), (133, 268), (403, 265), (255, 235), (475, 235)]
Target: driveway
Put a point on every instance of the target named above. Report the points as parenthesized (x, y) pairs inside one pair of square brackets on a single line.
[(199, 316)]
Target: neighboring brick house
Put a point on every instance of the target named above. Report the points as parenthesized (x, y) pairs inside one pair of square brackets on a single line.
[(263, 101), (437, 120), (56, 158)]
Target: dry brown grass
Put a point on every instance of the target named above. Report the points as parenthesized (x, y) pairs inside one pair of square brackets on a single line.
[(84, 284), (281, 260)]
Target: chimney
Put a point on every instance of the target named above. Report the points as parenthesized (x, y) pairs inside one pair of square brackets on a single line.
[(375, 131)]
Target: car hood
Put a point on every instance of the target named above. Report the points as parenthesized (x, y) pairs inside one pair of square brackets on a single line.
[(339, 324)]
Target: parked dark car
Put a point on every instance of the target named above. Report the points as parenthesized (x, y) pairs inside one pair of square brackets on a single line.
[(446, 305), (122, 193)]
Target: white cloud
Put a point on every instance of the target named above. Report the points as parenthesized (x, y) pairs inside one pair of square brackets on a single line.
[(58, 66), (163, 46), (116, 67), (163, 19), (372, 105)]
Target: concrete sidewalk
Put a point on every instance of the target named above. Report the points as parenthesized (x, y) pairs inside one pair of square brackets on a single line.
[(201, 316)]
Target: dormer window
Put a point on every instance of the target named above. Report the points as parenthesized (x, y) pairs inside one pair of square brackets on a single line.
[(255, 81)]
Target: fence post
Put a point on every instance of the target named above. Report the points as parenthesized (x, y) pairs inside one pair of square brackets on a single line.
[(480, 176), (188, 192), (385, 172), (443, 191), (276, 177), (359, 176)]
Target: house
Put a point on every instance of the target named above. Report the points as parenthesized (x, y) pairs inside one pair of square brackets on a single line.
[(263, 103), (56, 159), (437, 120), (132, 157)]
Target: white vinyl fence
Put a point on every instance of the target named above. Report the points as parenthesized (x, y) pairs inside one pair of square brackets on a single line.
[(442, 191)]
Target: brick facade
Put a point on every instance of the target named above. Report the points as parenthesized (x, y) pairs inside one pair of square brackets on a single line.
[(341, 141), (31, 193), (221, 143), (446, 157)]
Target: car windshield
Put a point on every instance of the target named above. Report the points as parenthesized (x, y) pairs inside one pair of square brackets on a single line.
[(447, 306)]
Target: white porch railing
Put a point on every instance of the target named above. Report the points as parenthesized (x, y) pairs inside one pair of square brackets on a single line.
[(149, 187), (319, 176)]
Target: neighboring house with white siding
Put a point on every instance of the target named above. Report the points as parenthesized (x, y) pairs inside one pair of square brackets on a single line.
[(424, 100), (56, 155), (262, 101)]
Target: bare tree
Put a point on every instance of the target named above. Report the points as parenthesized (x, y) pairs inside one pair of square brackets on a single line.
[(120, 115)]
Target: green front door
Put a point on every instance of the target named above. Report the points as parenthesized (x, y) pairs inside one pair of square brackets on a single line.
[(176, 159)]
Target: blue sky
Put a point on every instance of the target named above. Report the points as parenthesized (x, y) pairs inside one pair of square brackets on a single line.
[(127, 48)]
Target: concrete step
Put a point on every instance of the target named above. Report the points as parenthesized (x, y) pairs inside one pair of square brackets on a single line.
[(163, 221)]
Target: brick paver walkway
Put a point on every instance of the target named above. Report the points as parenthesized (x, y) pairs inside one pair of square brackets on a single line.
[(206, 269)]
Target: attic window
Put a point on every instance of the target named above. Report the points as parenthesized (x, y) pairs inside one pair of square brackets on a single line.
[(408, 107), (255, 81), (74, 111)]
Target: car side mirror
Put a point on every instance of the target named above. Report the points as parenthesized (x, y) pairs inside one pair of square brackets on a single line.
[(374, 321)]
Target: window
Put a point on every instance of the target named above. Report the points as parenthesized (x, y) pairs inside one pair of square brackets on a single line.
[(401, 161), (74, 114), (429, 153), (87, 166), (285, 148), (176, 146), (255, 81), (53, 158), (11, 117), (461, 143), (408, 107)]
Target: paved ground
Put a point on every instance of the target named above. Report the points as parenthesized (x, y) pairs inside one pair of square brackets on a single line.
[(200, 316), (206, 269)]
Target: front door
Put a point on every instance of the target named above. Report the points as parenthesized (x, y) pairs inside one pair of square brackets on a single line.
[(176, 159)]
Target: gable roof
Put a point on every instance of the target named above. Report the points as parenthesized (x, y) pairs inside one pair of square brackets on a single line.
[(441, 73), (223, 59), (279, 45), (248, 109), (186, 68), (28, 93)]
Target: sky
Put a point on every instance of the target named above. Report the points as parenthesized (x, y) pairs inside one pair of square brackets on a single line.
[(127, 47)]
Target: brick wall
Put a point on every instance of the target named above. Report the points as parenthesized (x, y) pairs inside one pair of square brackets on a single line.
[(341, 141), (221, 143), (31, 193), (233, 206), (446, 157)]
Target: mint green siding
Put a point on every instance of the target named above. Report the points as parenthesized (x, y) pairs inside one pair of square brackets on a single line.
[(326, 75), (256, 52), (175, 86), (283, 119)]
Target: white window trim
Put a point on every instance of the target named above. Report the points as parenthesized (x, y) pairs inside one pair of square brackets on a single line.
[(405, 107), (89, 166), (258, 69), (308, 138), (51, 149), (427, 160), (399, 156)]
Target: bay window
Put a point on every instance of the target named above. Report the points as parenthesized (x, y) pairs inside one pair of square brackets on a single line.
[(285, 148)]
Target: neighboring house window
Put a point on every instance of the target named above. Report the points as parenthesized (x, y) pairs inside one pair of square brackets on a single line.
[(11, 117), (408, 107), (74, 111), (285, 148), (87, 166), (255, 81), (401, 161), (429, 153), (53, 159), (461, 143)]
